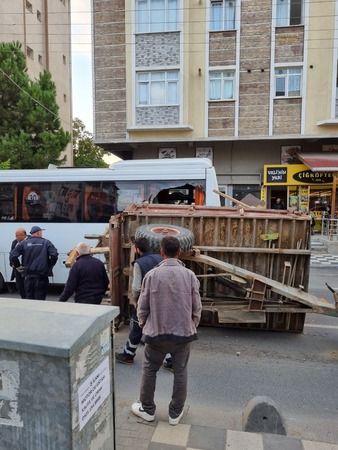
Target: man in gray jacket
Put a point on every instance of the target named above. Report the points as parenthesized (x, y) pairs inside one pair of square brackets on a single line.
[(169, 310)]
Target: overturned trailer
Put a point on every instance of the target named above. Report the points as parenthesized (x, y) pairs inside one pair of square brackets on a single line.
[(253, 264)]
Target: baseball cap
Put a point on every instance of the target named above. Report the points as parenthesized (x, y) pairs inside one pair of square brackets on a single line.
[(35, 229)]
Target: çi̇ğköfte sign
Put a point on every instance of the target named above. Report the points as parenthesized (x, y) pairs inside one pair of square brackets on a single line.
[(307, 176)]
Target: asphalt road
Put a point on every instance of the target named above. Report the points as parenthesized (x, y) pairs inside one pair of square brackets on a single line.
[(228, 367)]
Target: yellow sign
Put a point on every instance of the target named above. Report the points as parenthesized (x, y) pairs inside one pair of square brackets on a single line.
[(293, 175)]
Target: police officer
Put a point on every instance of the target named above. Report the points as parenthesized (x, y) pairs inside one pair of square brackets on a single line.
[(38, 258)]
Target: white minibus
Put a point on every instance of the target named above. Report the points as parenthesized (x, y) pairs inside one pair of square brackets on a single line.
[(69, 202)]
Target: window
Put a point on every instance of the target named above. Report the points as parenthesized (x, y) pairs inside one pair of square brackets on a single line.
[(29, 6), (221, 84), (157, 88), (222, 15), (30, 52), (156, 16), (289, 12), (38, 15), (288, 82)]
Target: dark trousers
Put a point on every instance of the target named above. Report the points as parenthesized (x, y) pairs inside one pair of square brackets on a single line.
[(36, 287), (135, 335), (153, 357), (20, 284)]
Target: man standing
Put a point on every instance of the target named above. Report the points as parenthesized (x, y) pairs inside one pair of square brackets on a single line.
[(38, 258), (87, 278), (145, 261), (169, 310), (17, 272)]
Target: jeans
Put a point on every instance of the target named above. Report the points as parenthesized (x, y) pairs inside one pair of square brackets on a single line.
[(153, 358)]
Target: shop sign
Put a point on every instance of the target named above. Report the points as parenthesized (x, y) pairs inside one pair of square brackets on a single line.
[(277, 174), (309, 177)]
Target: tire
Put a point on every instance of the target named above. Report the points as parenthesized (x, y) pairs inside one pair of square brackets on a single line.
[(154, 233)]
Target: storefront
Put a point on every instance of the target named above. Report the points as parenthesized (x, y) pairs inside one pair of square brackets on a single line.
[(296, 186)]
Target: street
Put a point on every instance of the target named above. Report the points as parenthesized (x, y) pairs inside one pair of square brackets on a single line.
[(228, 367)]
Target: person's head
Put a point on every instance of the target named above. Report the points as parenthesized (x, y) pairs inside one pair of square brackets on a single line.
[(20, 234), (36, 231), (83, 248), (170, 247), (278, 200), (141, 245)]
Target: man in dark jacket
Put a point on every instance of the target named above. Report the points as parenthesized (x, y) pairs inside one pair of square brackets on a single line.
[(38, 258), (17, 272), (87, 278), (145, 261)]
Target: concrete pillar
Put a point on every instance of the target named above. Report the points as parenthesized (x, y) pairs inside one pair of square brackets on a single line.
[(56, 377)]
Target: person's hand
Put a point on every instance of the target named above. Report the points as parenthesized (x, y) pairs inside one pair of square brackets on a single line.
[(20, 269)]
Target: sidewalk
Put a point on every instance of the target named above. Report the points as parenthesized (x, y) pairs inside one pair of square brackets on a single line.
[(134, 434)]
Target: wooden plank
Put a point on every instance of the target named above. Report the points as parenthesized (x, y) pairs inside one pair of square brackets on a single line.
[(277, 251), (225, 316), (320, 305)]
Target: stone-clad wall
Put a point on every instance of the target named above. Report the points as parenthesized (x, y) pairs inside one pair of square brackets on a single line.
[(221, 118), (255, 55), (157, 115), (157, 49), (289, 44), (110, 69), (222, 48), (287, 116)]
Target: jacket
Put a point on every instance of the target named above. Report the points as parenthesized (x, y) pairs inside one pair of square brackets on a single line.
[(38, 256), (88, 279), (169, 306)]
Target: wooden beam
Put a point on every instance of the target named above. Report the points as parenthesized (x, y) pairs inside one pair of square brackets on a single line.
[(320, 305)]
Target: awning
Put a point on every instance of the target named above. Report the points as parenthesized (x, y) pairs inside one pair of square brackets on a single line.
[(320, 162)]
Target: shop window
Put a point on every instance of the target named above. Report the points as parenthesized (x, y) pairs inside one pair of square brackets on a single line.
[(248, 193)]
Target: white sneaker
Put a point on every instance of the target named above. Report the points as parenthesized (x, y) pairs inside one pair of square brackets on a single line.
[(137, 409), (177, 419)]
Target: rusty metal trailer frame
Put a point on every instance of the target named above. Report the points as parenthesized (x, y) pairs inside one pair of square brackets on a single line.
[(246, 279)]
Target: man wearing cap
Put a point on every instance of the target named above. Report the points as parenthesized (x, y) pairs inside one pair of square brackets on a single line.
[(38, 258), (17, 272)]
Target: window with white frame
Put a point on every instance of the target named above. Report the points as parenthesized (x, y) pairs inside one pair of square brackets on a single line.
[(157, 88), (222, 15), (156, 16), (288, 81), (289, 12), (221, 84)]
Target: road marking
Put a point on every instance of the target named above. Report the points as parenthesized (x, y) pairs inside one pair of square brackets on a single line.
[(313, 325)]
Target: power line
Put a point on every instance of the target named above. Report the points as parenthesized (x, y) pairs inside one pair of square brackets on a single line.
[(33, 98)]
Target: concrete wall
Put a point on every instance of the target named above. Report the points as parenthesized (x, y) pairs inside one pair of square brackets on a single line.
[(49, 39)]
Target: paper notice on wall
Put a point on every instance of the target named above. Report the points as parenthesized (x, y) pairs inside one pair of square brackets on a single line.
[(93, 392), (9, 390)]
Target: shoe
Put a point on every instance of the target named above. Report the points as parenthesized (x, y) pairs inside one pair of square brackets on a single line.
[(124, 358), (137, 409), (177, 419), (168, 364)]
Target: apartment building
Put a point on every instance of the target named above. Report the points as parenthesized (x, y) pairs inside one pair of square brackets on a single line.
[(44, 29), (247, 83)]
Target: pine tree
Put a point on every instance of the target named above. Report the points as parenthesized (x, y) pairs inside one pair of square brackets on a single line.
[(31, 135)]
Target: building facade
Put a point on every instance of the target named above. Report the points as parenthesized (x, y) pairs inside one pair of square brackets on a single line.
[(242, 82), (44, 29)]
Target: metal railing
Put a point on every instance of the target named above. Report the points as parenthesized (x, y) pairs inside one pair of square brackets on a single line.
[(330, 229)]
